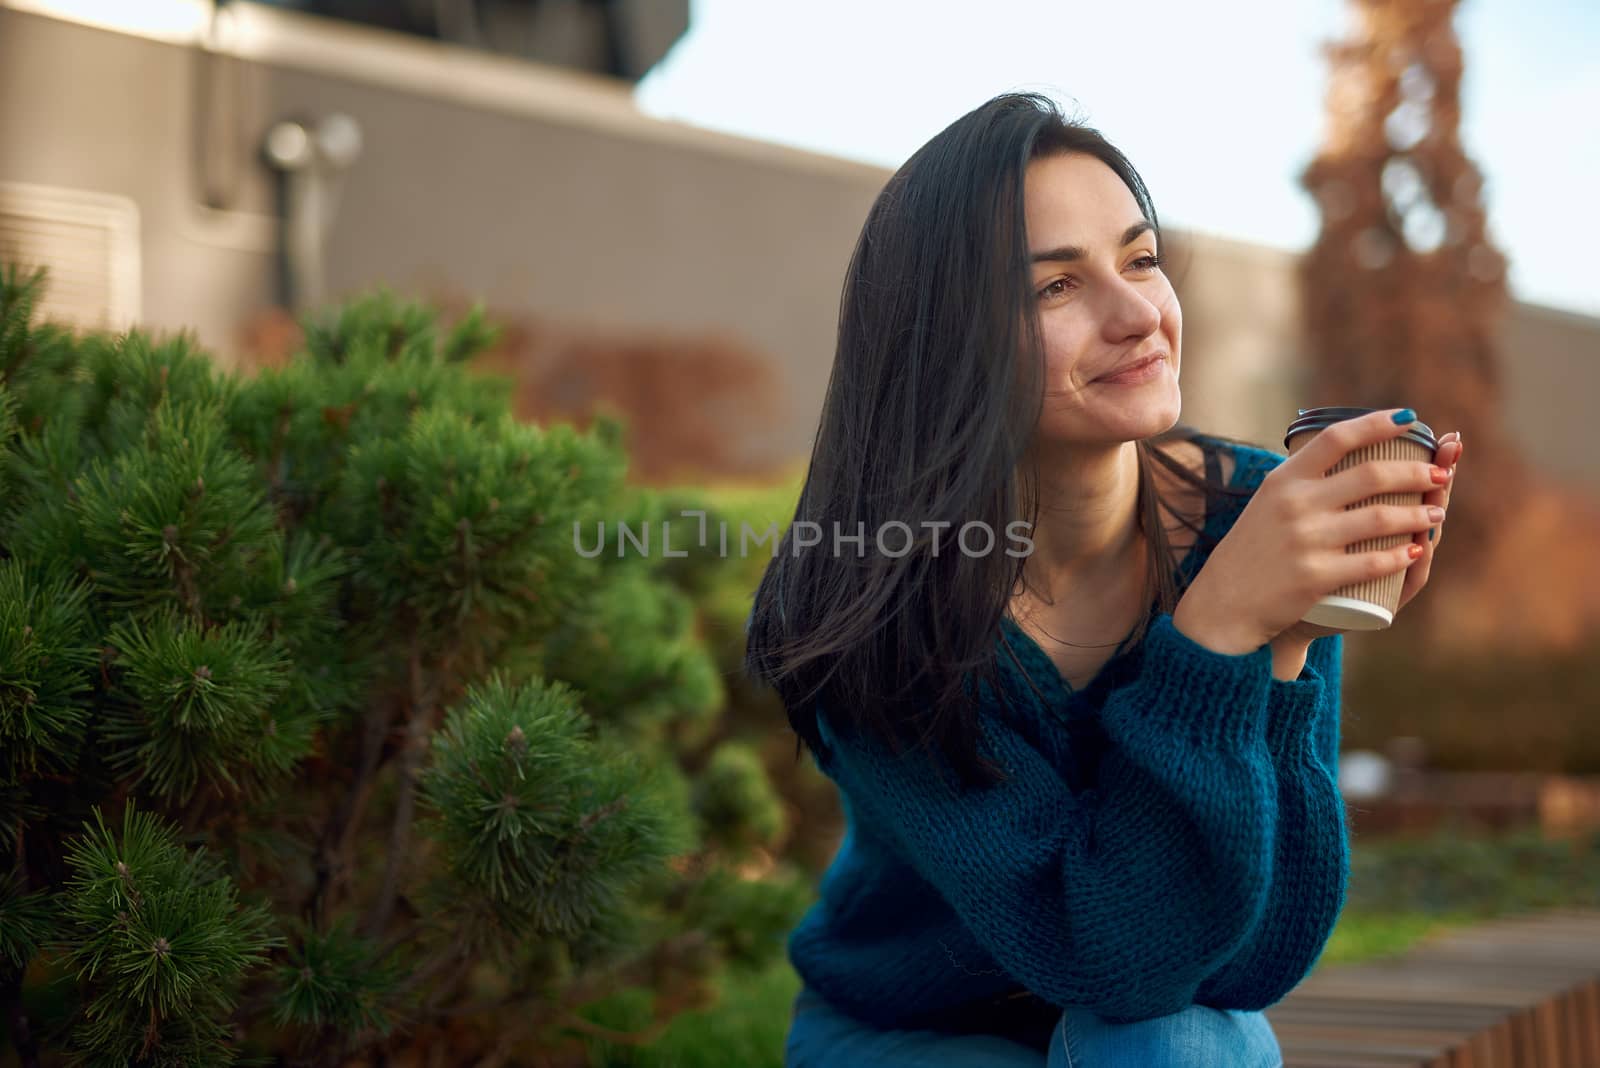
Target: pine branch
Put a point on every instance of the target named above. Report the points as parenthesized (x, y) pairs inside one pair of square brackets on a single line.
[(443, 989), (183, 576), (333, 853), (280, 438), (152, 1032), (401, 937), (447, 954), (416, 740)]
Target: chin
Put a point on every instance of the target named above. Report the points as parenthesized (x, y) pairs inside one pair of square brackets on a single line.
[(1156, 415), (1153, 428), (1168, 424), (1137, 417)]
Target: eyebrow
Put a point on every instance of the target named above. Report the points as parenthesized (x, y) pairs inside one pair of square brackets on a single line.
[(1068, 253)]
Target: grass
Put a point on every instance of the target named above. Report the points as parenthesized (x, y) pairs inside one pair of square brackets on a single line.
[(1366, 936)]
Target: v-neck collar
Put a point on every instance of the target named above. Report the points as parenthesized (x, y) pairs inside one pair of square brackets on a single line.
[(1031, 650)]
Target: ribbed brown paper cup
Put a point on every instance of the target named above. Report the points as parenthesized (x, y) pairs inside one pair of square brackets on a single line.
[(1364, 605)]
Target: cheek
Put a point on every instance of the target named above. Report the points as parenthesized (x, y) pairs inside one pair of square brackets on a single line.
[(1064, 344), (1172, 321)]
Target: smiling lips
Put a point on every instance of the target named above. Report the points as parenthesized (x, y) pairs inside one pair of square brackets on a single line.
[(1137, 371)]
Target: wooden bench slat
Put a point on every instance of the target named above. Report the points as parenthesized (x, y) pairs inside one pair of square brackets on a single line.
[(1523, 992)]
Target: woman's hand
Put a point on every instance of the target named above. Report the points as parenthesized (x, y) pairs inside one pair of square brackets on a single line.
[(1292, 643), (1447, 455), (1286, 551)]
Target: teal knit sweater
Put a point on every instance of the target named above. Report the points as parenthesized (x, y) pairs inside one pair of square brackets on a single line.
[(1172, 834)]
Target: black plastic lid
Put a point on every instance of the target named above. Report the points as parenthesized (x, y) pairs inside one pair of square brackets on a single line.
[(1320, 418)]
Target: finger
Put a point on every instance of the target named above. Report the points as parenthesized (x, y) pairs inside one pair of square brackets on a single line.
[(1349, 568), (1439, 498), (1376, 478), (1451, 467), (1417, 574), (1447, 456), (1333, 443), (1374, 521)]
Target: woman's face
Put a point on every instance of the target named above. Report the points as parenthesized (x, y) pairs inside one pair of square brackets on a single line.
[(1103, 304)]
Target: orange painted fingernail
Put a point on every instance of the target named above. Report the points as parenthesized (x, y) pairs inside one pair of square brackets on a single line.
[(1414, 550), (1439, 474)]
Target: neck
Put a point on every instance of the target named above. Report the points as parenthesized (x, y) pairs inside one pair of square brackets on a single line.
[(1088, 534)]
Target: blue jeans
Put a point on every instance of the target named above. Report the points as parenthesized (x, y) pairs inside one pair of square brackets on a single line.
[(821, 1036)]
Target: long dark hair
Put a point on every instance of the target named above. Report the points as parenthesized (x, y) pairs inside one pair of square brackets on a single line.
[(936, 389)]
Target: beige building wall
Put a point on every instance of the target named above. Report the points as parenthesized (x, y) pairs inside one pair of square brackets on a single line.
[(547, 194), (543, 191), (1243, 354), (1550, 366)]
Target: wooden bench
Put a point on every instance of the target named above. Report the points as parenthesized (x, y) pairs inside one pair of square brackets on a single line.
[(1515, 993)]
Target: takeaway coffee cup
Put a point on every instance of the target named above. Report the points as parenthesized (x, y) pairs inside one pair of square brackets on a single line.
[(1364, 605)]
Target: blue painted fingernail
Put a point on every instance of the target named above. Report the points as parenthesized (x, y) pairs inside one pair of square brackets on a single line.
[(1430, 532), (1404, 416)]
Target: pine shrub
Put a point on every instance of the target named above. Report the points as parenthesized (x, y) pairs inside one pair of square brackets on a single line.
[(318, 737)]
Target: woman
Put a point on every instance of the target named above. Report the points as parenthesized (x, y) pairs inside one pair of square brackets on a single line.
[(1092, 814)]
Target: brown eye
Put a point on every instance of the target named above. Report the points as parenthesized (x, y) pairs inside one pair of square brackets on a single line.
[(1051, 290)]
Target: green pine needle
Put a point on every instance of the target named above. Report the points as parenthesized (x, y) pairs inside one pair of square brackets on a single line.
[(46, 656), (331, 980), (199, 699), (26, 920), (549, 826), (159, 938)]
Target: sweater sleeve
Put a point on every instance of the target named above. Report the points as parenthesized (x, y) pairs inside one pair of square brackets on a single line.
[(1121, 899), (1311, 852), (1314, 696)]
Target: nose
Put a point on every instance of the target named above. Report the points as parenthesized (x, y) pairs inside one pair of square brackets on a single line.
[(1129, 312)]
